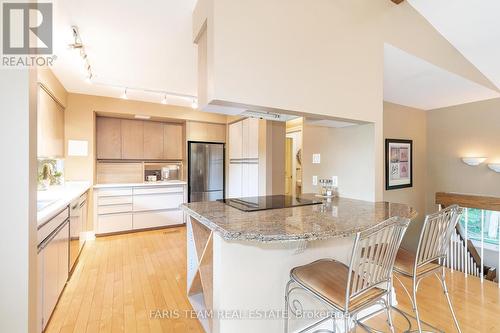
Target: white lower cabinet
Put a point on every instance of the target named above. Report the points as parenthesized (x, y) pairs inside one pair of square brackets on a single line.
[(114, 223), (148, 202), (155, 219), (235, 180), (53, 269), (243, 180), (125, 209)]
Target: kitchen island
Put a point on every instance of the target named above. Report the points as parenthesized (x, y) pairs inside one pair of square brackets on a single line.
[(239, 262)]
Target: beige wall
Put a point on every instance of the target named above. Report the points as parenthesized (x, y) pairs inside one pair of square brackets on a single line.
[(401, 122), (275, 157), (315, 66), (471, 129), (347, 153)]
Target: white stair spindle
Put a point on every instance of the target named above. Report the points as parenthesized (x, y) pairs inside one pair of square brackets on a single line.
[(482, 245), (466, 217)]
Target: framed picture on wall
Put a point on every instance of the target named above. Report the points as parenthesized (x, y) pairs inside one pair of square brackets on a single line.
[(398, 163)]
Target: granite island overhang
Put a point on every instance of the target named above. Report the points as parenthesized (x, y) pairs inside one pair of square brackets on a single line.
[(239, 262)]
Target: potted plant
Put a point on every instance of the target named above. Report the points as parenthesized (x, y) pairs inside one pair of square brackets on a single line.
[(45, 176)]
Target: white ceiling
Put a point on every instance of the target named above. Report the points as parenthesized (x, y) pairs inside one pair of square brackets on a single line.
[(472, 27), (149, 45), (129, 43), (411, 81)]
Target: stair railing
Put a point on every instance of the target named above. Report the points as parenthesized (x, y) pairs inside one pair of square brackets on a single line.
[(463, 255)]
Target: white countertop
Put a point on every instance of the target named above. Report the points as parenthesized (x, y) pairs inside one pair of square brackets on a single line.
[(160, 183), (62, 196)]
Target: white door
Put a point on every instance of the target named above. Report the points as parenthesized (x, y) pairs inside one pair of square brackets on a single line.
[(235, 180), (250, 180), (235, 140), (253, 180)]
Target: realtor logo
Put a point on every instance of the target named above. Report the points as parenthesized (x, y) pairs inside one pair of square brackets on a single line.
[(27, 28)]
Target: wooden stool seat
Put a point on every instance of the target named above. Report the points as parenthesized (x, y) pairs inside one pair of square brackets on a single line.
[(405, 263), (329, 279)]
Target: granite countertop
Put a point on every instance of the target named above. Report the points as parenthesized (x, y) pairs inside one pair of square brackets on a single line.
[(337, 217), (158, 183), (60, 197)]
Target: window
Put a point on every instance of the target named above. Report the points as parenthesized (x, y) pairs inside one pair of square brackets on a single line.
[(490, 228)]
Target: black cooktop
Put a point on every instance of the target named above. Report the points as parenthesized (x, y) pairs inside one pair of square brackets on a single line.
[(252, 204)]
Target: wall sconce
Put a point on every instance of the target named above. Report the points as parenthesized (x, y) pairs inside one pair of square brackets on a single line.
[(494, 166), (473, 161)]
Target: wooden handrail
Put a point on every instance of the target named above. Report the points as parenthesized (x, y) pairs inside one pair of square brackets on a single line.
[(446, 199)]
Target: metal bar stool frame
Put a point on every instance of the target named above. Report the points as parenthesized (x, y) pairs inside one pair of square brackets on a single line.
[(370, 266), (432, 248)]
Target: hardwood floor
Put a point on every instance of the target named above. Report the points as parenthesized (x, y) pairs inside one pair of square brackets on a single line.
[(121, 279)]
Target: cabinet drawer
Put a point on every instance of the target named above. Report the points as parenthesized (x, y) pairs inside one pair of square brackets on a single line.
[(110, 192), (112, 209), (157, 201), (47, 228), (157, 219), (159, 190), (104, 201), (114, 223)]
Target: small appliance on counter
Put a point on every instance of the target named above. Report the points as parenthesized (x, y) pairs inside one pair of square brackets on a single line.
[(327, 189), (151, 178), (168, 171)]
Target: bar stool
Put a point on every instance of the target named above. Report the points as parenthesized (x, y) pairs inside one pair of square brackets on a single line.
[(429, 258), (350, 289)]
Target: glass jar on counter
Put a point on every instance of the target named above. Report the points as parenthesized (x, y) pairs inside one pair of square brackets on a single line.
[(327, 189)]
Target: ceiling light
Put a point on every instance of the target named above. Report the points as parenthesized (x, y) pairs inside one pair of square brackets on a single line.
[(78, 45), (494, 166), (473, 161), (194, 105), (142, 116), (164, 100)]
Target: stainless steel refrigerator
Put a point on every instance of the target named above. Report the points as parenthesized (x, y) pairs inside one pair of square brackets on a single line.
[(206, 171)]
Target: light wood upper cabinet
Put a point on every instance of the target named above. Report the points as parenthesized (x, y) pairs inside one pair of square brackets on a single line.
[(207, 132), (244, 139), (109, 138), (132, 139), (236, 140), (250, 138), (173, 147), (128, 139), (153, 140), (50, 125)]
